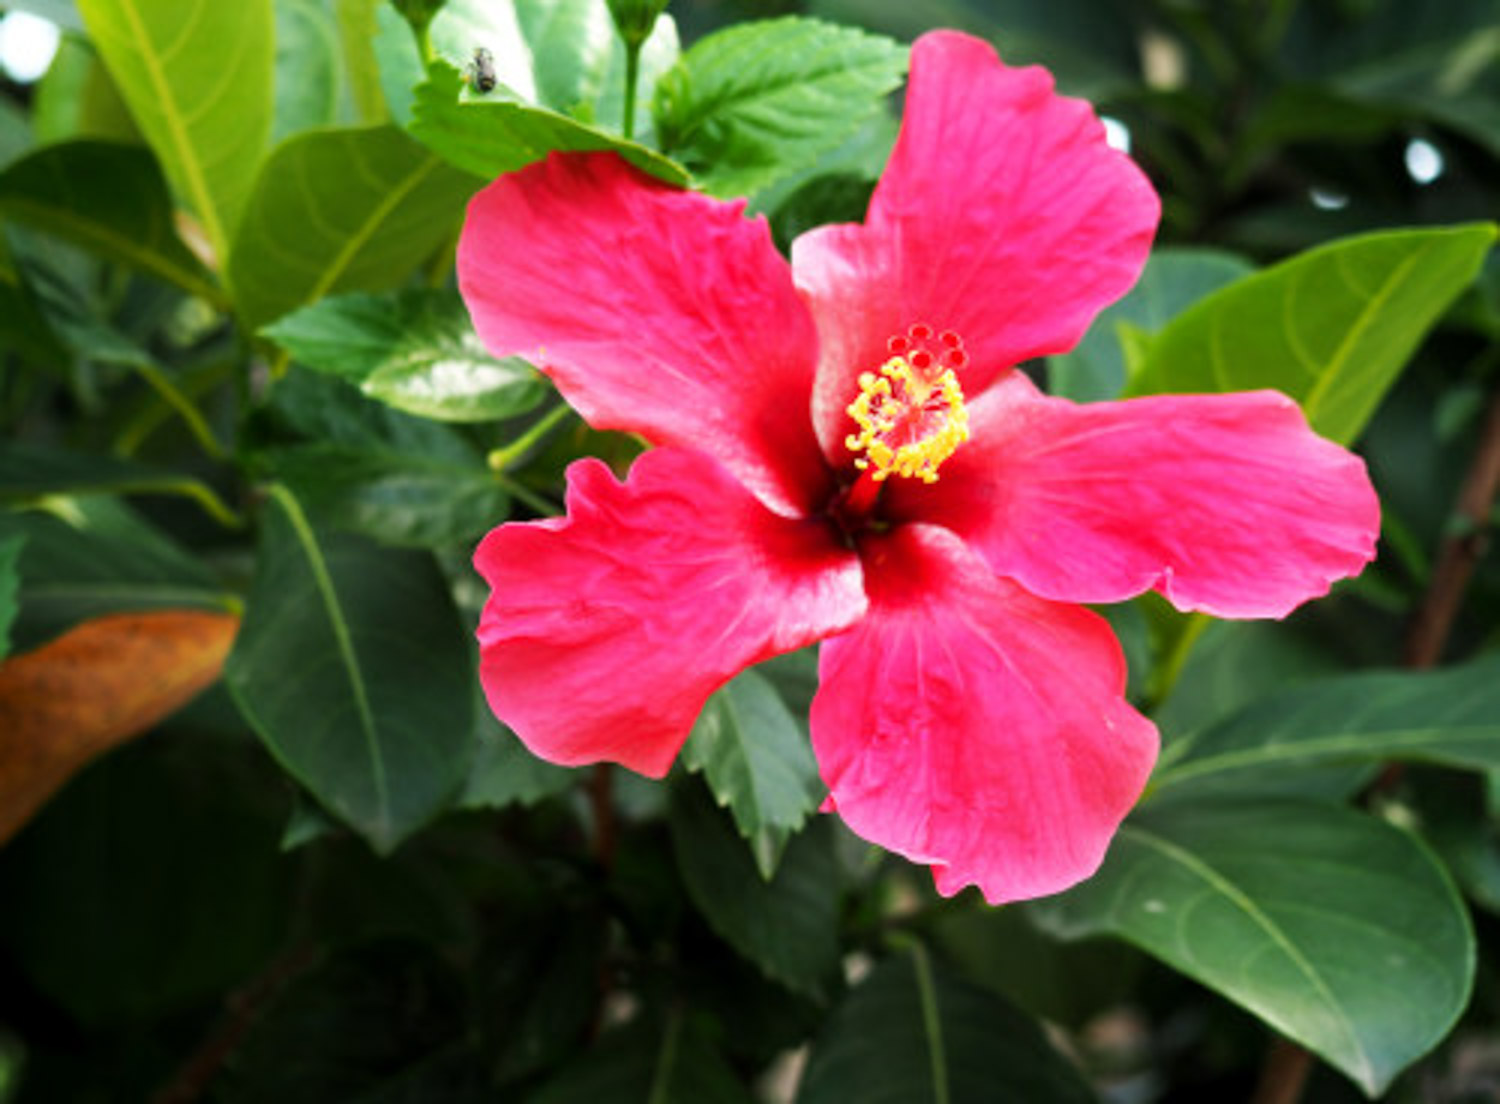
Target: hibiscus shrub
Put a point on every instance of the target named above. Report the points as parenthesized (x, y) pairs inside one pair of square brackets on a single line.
[(563, 550)]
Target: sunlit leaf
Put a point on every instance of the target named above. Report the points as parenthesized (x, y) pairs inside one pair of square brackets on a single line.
[(1332, 327), (910, 1032), (353, 667), (340, 210), (415, 350), (498, 132), (197, 75), (1337, 929), (96, 686), (755, 102), (758, 763)]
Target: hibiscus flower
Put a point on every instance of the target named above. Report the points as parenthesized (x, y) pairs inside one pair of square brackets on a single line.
[(846, 452)]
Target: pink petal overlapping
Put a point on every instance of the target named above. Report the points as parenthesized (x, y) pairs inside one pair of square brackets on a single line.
[(967, 718)]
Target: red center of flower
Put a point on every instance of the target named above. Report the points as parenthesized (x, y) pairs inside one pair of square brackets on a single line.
[(909, 414)]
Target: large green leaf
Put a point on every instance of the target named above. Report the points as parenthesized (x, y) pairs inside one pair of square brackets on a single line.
[(352, 665), (757, 761), (337, 210), (402, 498), (911, 1034), (1450, 717), (1332, 328), (1339, 930), (108, 197), (504, 772), (1173, 280), (758, 101), (498, 132), (415, 350), (308, 70), (787, 925), (197, 75)]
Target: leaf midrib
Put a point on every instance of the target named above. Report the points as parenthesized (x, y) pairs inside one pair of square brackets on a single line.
[(323, 582), (197, 185), (1230, 892)]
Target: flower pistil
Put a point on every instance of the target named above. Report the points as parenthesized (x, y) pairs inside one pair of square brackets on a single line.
[(910, 413)]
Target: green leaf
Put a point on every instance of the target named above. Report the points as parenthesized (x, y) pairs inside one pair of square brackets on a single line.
[(505, 773), (757, 761), (10, 587), (1450, 717), (1173, 280), (90, 555), (912, 1033), (352, 666), (28, 473), (1339, 930), (77, 98), (1332, 327), (787, 925), (499, 133), (392, 497), (339, 210), (415, 350), (756, 102), (110, 198), (197, 75)]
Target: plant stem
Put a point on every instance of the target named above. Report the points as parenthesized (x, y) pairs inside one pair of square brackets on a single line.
[(1461, 550), (632, 75), (502, 458)]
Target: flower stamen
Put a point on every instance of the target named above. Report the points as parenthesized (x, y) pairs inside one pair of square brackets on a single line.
[(911, 413)]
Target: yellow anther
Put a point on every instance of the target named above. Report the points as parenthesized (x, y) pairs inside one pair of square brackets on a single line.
[(910, 419)]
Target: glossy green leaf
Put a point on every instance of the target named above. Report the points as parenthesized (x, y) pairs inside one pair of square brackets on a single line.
[(339, 210), (353, 667), (358, 26), (787, 925), (10, 587), (77, 98), (756, 102), (1173, 280), (109, 198), (90, 555), (910, 1033), (1332, 327), (415, 350), (757, 761), (197, 75), (1339, 930), (504, 772), (1450, 717), (497, 133)]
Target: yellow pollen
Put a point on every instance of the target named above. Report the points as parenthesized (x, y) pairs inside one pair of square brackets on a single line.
[(910, 419)]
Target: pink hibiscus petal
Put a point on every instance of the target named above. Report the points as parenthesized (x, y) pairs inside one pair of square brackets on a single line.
[(967, 724), (654, 310), (1003, 216), (1227, 504), (606, 630)]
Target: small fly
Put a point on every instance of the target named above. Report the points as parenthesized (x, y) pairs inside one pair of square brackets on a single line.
[(482, 70)]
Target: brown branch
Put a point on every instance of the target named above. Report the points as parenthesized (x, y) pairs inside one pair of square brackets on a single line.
[(242, 1007), (1461, 550), (1287, 1065), (602, 804)]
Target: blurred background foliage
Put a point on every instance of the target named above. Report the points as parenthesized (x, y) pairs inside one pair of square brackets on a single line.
[(223, 332)]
